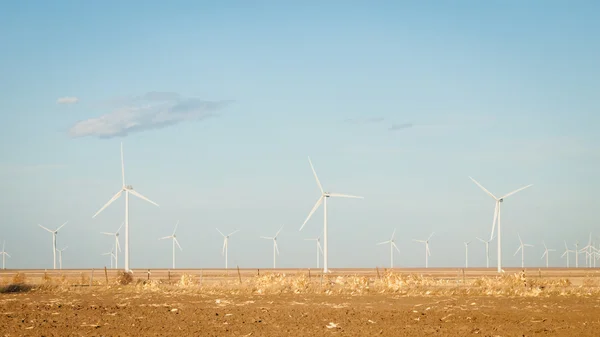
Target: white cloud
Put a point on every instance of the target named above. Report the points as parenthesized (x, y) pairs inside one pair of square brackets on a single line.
[(151, 111), (67, 100)]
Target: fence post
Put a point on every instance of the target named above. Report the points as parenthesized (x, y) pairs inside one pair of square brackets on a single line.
[(106, 275), (239, 275)]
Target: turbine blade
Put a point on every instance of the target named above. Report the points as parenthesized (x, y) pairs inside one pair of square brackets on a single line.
[(278, 231), (63, 225), (428, 251), (115, 197), (118, 230), (118, 245), (382, 243), (518, 249), (320, 248), (315, 174), (495, 219), (137, 194), (483, 188), (415, 240), (224, 245), (235, 231), (266, 237), (393, 234), (107, 233), (394, 244), (543, 255), (344, 195), (430, 236), (177, 243), (7, 254), (46, 229), (481, 240), (165, 237), (276, 248), (563, 254), (517, 190), (520, 238), (175, 230), (220, 231), (312, 211), (528, 245)]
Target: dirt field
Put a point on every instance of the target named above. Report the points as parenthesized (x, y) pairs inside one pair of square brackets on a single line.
[(152, 308)]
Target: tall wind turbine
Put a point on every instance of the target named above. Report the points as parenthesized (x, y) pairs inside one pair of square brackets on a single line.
[(60, 251), (467, 254), (319, 249), (566, 253), (546, 253), (4, 255), (128, 189), (393, 246), (226, 243), (275, 248), (487, 250), (427, 252), (522, 249), (112, 256), (323, 199), (174, 237), (497, 217), (54, 232), (116, 235)]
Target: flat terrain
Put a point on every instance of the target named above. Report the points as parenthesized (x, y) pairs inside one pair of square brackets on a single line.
[(276, 305)]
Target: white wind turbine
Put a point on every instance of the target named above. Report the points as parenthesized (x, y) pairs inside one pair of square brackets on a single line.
[(577, 254), (522, 249), (393, 246), (566, 253), (112, 256), (319, 249), (588, 252), (467, 254), (174, 237), (54, 232), (60, 251), (427, 252), (116, 235), (128, 189), (275, 248), (497, 217), (487, 250), (546, 253), (323, 199), (226, 243), (4, 255)]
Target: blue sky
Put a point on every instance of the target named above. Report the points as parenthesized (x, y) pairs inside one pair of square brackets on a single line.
[(219, 104)]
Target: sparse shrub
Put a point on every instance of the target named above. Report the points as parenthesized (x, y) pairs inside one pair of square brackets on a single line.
[(19, 278), (186, 280), (124, 278)]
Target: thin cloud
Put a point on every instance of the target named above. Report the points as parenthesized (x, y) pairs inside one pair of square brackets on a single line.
[(15, 168), (153, 110), (67, 100), (398, 127)]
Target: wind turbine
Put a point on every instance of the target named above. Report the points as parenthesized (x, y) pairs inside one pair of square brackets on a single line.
[(323, 199), (392, 243), (487, 250), (54, 232), (577, 254), (588, 252), (467, 254), (112, 256), (174, 237), (319, 249), (4, 255), (226, 243), (497, 217), (275, 248), (567, 251), (60, 251), (546, 253), (128, 189), (427, 252), (522, 249), (116, 235)]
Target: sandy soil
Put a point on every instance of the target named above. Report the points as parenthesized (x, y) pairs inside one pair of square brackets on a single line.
[(114, 312)]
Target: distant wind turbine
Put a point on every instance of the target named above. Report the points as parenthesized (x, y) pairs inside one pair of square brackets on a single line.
[(577, 254), (588, 249), (393, 246), (427, 252), (4, 255), (522, 249), (112, 256), (467, 254), (497, 217), (323, 199), (128, 189), (319, 249), (116, 235), (54, 232), (60, 251), (546, 253), (487, 250), (275, 248), (566, 253), (226, 243), (174, 237)]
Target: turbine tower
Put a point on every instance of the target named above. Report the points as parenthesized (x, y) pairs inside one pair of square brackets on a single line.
[(4, 255), (577, 254), (275, 248), (393, 246), (467, 254), (174, 237), (522, 249), (128, 189), (319, 249), (60, 251), (497, 217), (226, 243), (323, 199), (427, 252), (487, 250), (54, 232), (116, 235), (546, 253), (566, 253)]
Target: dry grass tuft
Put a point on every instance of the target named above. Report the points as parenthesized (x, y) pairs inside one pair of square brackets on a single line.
[(19, 278), (186, 280), (124, 278)]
